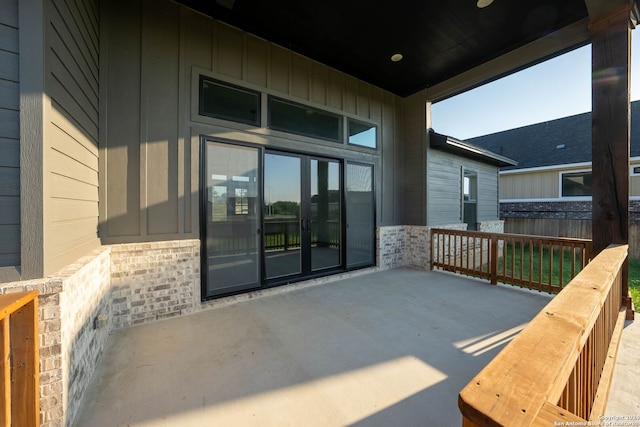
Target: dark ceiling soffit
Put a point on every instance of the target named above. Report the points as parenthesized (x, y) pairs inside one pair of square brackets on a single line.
[(456, 41), (565, 40), (464, 149)]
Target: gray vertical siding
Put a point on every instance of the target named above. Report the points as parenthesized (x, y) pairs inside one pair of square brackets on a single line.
[(415, 178), (149, 153), (71, 135), (445, 188), (9, 136)]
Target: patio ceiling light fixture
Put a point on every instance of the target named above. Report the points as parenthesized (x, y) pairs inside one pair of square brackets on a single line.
[(483, 3), (396, 57)]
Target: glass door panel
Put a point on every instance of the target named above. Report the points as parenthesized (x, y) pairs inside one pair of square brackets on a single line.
[(325, 213), (231, 218), (282, 215), (360, 215)]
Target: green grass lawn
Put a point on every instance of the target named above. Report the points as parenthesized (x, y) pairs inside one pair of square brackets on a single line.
[(532, 266), (634, 282), (634, 270)]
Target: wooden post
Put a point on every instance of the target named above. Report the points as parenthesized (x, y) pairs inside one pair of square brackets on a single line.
[(493, 261), (21, 378), (5, 373), (611, 52)]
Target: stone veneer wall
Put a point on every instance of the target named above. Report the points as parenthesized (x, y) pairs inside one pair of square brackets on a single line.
[(72, 336), (152, 281)]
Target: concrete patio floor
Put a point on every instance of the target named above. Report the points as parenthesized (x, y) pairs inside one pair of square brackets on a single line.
[(391, 348)]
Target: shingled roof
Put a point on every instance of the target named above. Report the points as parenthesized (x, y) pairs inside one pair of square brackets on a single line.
[(557, 142)]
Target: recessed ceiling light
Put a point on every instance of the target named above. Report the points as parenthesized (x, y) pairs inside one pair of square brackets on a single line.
[(483, 3), (396, 57)]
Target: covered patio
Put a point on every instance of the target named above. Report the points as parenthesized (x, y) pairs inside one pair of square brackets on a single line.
[(106, 181), (393, 347)]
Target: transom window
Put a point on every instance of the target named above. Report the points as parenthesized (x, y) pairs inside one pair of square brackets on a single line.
[(301, 119), (363, 134), (224, 101)]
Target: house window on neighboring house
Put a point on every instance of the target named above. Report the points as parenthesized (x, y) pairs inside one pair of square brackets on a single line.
[(576, 184), (470, 199), (635, 170)]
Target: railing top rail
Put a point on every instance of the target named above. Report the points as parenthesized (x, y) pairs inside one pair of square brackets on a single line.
[(534, 368), (511, 235), (12, 302)]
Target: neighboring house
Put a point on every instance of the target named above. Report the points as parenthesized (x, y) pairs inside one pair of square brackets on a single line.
[(462, 179), (549, 190)]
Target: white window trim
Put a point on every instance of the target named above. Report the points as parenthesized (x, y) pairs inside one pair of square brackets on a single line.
[(563, 197)]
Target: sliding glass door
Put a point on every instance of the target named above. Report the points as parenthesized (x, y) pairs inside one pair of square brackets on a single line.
[(231, 218), (272, 217), (325, 213), (282, 215), (302, 215), (360, 215)]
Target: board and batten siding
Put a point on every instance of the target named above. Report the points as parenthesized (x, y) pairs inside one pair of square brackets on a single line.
[(152, 53), (634, 185), (71, 143), (9, 136), (415, 190), (444, 192), (545, 184), (530, 185)]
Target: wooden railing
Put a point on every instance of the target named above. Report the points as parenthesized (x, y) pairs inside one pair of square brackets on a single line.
[(559, 368), (20, 396), (534, 262)]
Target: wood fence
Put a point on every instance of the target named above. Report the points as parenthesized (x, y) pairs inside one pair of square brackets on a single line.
[(559, 368), (574, 228), (20, 396), (534, 262)]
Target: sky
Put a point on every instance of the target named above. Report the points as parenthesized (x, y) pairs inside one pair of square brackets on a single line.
[(556, 88)]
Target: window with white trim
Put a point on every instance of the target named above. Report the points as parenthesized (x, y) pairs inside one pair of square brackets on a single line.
[(576, 184)]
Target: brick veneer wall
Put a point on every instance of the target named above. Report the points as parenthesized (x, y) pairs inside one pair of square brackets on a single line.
[(491, 226), (391, 245), (69, 303), (85, 305), (418, 246), (410, 245), (152, 281)]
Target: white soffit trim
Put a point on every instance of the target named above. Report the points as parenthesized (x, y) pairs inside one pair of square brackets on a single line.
[(565, 166)]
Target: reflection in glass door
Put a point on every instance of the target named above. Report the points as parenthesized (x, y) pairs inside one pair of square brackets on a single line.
[(325, 213), (360, 215), (231, 219), (302, 215), (282, 215)]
